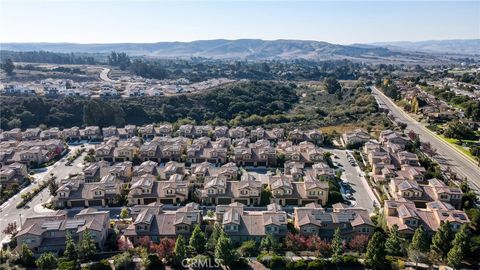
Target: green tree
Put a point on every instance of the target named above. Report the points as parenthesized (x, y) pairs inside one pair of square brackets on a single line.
[(442, 240), (212, 240), (123, 261), (248, 249), (337, 247), (86, 247), (70, 247), (124, 213), (197, 241), (153, 262), (375, 256), (224, 251), (458, 130), (265, 197), (460, 247), (420, 240), (269, 243), (394, 244), (52, 187), (26, 256), (180, 250), (8, 66), (46, 261), (332, 85)]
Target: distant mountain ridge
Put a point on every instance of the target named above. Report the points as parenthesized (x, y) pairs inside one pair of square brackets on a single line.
[(250, 49), (454, 46)]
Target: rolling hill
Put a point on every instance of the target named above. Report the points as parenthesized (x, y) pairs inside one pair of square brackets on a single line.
[(257, 49)]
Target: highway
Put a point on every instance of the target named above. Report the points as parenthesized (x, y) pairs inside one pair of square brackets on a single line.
[(447, 156)]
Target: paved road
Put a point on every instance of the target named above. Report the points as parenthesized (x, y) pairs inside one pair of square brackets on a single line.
[(362, 193), (104, 75), (9, 212), (448, 156)]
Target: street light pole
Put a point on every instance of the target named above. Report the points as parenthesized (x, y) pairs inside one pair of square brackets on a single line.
[(20, 216)]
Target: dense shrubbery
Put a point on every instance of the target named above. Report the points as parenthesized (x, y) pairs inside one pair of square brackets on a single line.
[(201, 69), (250, 103)]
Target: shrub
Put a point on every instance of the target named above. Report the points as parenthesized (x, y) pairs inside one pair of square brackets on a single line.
[(277, 262), (248, 249), (317, 264), (66, 265), (350, 260), (123, 261), (101, 265), (264, 258), (153, 262), (297, 265)]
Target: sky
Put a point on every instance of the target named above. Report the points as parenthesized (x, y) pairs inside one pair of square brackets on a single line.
[(341, 22)]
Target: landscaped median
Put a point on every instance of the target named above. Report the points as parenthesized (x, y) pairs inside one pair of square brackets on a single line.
[(28, 196), (455, 143)]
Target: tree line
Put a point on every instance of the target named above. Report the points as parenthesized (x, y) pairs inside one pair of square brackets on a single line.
[(47, 57), (248, 100)]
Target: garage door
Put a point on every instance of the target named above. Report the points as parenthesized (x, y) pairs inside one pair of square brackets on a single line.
[(242, 201), (304, 202), (95, 202), (291, 201), (166, 201), (149, 200), (224, 200), (78, 204)]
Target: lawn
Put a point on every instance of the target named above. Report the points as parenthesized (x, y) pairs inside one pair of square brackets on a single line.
[(454, 143)]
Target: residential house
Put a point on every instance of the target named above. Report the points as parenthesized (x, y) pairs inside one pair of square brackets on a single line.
[(74, 192), (152, 221), (242, 225), (145, 189), (312, 219), (31, 134), (357, 136), (13, 174), (407, 217), (48, 233)]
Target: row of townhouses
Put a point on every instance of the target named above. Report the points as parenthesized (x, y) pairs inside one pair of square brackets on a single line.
[(413, 199), (48, 233), (34, 152), (150, 131), (101, 183)]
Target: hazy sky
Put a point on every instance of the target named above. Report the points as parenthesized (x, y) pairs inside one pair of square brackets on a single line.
[(341, 22)]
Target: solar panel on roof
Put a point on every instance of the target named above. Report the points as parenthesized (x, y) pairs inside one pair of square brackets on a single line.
[(52, 225), (344, 217), (75, 223), (324, 217)]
